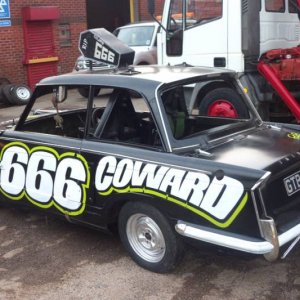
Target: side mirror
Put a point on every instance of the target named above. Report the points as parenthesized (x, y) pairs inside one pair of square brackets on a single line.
[(60, 94), (151, 7)]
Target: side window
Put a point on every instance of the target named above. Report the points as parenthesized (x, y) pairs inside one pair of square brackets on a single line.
[(128, 119), (199, 12), (175, 29), (275, 5), (57, 111), (100, 100), (175, 16), (293, 6)]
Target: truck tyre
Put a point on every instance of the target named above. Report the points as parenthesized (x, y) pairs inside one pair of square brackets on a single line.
[(84, 92), (17, 94), (223, 102), (4, 81), (149, 238), (2, 96)]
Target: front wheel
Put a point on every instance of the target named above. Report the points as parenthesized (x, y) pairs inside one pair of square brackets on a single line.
[(149, 238), (223, 102)]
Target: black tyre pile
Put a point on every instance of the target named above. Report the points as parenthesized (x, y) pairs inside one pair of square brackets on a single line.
[(14, 94)]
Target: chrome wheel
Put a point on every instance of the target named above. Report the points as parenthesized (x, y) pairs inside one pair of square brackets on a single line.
[(145, 238), (23, 93)]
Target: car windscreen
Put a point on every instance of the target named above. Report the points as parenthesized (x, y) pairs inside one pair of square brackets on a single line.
[(136, 36)]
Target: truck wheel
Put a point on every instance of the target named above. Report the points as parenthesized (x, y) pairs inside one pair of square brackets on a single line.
[(149, 238), (84, 92), (17, 94), (2, 96), (223, 102)]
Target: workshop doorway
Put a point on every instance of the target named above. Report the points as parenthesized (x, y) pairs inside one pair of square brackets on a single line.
[(108, 14)]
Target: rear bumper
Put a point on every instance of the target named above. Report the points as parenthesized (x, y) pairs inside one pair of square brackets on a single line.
[(268, 246)]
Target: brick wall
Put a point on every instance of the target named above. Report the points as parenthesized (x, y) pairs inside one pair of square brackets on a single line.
[(143, 9), (12, 39)]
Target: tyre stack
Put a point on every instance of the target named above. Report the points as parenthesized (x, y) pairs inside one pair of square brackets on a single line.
[(14, 94)]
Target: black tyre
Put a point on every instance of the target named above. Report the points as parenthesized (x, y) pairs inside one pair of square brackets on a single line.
[(4, 81), (2, 96), (223, 102), (17, 94), (149, 238), (84, 92)]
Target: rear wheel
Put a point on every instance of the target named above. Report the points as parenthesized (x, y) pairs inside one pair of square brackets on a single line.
[(223, 102), (149, 237)]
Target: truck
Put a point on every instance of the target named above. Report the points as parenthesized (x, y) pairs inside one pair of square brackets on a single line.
[(259, 39)]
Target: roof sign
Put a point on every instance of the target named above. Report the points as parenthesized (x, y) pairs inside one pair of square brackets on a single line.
[(102, 46)]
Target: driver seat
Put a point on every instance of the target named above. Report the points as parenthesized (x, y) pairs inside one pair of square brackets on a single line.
[(174, 103)]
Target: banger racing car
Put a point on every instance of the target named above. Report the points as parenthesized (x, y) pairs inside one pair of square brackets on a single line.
[(134, 157)]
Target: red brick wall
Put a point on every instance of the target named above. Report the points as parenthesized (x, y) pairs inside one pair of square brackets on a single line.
[(12, 39), (143, 9)]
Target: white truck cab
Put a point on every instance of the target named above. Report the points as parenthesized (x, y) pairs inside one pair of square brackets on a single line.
[(232, 34)]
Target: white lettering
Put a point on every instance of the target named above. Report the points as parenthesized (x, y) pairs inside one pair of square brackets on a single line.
[(44, 176), (67, 190), (193, 187), (216, 197), (13, 172), (107, 165), (222, 196), (39, 184), (172, 181), (123, 173), (102, 53)]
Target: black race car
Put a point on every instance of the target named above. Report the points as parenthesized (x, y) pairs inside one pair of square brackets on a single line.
[(135, 157)]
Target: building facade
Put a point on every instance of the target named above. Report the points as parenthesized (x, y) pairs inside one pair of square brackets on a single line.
[(39, 38)]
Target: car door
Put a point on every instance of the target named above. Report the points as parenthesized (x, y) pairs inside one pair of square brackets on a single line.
[(41, 164), (125, 134)]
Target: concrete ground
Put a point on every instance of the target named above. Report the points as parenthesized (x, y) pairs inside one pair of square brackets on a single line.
[(46, 258)]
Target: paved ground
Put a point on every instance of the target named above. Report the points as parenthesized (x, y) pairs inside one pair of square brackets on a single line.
[(46, 258)]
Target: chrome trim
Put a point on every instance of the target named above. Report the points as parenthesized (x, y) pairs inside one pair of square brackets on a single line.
[(257, 185), (195, 232), (186, 147), (269, 248), (162, 119), (26, 141), (289, 235), (269, 232), (203, 153), (291, 247), (261, 180)]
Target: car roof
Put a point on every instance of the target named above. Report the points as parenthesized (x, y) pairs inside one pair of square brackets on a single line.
[(137, 24), (134, 77)]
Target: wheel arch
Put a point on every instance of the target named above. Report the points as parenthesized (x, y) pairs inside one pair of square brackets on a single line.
[(112, 210)]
